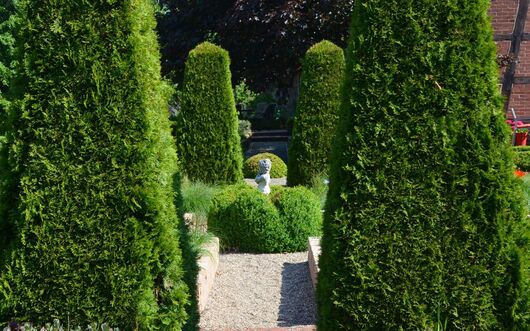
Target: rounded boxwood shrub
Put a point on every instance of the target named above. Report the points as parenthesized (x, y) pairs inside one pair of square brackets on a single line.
[(300, 213), (246, 220), (316, 113), (90, 230), (424, 225), (278, 170), (249, 221), (207, 125)]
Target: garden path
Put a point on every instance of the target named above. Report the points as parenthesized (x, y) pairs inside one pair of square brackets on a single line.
[(261, 291)]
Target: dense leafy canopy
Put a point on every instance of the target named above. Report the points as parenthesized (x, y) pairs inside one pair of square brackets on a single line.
[(89, 227), (424, 221), (266, 39), (316, 113), (207, 126)]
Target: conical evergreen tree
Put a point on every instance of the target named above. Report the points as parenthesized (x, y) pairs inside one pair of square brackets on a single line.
[(424, 222), (209, 144), (93, 231), (316, 113)]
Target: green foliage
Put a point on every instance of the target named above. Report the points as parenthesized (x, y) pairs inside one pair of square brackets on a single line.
[(207, 126), (249, 221), (522, 158), (243, 94), (245, 129), (525, 183), (316, 113), (419, 231), (246, 220), (197, 197), (8, 26), (8, 21), (58, 326), (90, 230), (251, 165), (319, 186), (299, 211)]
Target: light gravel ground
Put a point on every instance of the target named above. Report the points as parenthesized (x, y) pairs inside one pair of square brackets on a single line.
[(260, 291)]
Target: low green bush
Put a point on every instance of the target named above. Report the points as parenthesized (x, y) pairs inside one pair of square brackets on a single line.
[(248, 221), (300, 213), (278, 170), (244, 219), (522, 158)]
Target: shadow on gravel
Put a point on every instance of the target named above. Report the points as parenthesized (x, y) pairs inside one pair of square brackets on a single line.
[(297, 303)]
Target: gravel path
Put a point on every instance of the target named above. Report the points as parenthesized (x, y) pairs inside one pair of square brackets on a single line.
[(260, 291)]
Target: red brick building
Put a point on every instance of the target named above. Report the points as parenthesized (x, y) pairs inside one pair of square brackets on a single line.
[(512, 35)]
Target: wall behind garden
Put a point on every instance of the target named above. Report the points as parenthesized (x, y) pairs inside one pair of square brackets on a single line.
[(512, 35)]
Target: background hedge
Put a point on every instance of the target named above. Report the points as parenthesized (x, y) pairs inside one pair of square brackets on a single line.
[(251, 165), (522, 158), (207, 126), (92, 225), (424, 221), (316, 113)]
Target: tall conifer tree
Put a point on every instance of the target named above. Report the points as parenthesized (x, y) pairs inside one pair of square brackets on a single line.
[(316, 113), (209, 143), (424, 222), (91, 226)]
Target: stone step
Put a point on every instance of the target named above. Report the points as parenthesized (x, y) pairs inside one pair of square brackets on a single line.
[(270, 133)]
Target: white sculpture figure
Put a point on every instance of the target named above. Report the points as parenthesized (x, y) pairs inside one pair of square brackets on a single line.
[(264, 178)]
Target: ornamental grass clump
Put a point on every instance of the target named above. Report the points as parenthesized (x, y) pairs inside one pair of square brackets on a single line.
[(316, 113), (90, 229), (207, 125), (424, 221)]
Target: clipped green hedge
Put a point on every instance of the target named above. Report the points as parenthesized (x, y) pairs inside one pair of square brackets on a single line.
[(424, 226), (91, 229), (248, 221), (251, 165), (316, 113), (207, 125), (522, 159), (299, 210)]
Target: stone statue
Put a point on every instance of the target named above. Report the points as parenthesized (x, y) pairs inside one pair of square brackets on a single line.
[(264, 178)]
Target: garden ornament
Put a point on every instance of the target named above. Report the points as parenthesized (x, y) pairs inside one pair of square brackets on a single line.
[(264, 177)]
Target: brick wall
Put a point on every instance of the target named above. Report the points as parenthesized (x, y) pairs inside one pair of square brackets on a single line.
[(512, 35)]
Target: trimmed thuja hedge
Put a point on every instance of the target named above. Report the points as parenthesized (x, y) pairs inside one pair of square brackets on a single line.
[(207, 126), (424, 221), (316, 113), (91, 230)]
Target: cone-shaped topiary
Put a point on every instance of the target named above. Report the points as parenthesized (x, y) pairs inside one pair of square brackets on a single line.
[(316, 113), (93, 233), (207, 126), (423, 225)]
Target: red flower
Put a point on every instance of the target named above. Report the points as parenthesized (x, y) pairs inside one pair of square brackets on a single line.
[(519, 173)]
